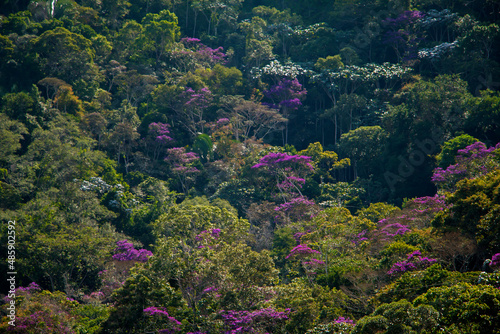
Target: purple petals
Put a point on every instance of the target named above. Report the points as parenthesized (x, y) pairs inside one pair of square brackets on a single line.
[(129, 253)]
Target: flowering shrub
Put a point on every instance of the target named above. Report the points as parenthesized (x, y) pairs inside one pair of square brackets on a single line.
[(259, 321), (403, 33), (208, 238), (127, 252), (286, 94), (159, 317), (495, 261), (413, 262), (192, 54), (301, 249), (473, 161), (390, 229), (182, 165), (287, 170)]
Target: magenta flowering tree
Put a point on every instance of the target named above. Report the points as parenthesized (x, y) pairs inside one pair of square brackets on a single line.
[(403, 34), (302, 250), (417, 213), (495, 261), (159, 320), (288, 172), (125, 251), (192, 54), (194, 103), (208, 238), (157, 140), (305, 255), (265, 320), (181, 163), (286, 96), (415, 261), (471, 162), (297, 209)]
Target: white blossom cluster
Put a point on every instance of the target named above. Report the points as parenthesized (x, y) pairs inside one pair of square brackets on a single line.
[(438, 51), (368, 73), (434, 16), (95, 184), (276, 69)]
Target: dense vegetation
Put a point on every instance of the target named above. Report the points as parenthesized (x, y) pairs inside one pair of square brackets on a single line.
[(251, 166)]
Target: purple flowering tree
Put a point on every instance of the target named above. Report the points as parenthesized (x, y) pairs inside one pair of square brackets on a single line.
[(181, 163), (471, 162), (115, 274), (159, 320), (190, 54), (403, 34), (297, 209), (265, 320), (194, 103), (305, 256), (157, 140), (286, 96), (495, 261), (414, 261), (288, 172), (125, 251)]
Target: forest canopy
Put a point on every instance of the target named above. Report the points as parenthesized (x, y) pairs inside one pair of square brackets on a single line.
[(250, 166)]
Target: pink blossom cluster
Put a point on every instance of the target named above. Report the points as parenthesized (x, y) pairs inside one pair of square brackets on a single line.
[(299, 235), (344, 320), (197, 99), (392, 229), (39, 322), (181, 160)]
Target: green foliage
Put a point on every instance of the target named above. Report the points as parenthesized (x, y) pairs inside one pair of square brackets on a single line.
[(449, 150), (400, 317), (413, 284), (364, 146), (377, 211), (394, 89), (473, 308), (65, 55), (329, 63), (474, 211), (144, 288), (203, 146), (311, 304)]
